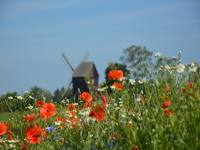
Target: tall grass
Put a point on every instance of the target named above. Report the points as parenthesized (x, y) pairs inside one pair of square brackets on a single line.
[(135, 116)]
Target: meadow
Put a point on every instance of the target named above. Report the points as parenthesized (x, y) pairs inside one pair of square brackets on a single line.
[(159, 113)]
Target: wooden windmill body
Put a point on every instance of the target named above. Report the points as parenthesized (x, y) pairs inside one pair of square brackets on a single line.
[(78, 76)]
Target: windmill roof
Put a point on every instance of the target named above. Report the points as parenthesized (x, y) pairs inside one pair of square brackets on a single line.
[(85, 68)]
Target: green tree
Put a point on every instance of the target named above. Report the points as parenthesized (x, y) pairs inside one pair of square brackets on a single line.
[(58, 94), (137, 58), (37, 91)]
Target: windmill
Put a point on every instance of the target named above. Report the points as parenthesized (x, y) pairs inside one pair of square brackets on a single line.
[(78, 74)]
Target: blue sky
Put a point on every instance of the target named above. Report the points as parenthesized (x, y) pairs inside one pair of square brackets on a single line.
[(34, 34)]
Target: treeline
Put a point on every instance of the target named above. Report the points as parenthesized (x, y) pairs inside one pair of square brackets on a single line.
[(27, 98)]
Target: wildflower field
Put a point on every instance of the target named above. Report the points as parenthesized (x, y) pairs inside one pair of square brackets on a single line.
[(159, 113)]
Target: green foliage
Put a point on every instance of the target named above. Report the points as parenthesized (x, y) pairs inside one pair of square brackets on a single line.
[(58, 95), (137, 58), (12, 102), (40, 91), (3, 107)]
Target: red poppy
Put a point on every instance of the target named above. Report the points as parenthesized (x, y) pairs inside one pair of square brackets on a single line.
[(104, 100), (87, 104), (98, 112), (168, 112), (23, 145), (113, 136), (136, 147), (60, 119), (166, 104), (3, 129), (183, 91), (72, 107), (118, 86), (34, 134), (62, 123), (30, 118), (115, 74), (47, 110), (75, 120), (167, 89), (86, 96), (9, 131), (189, 85), (39, 103), (72, 114)]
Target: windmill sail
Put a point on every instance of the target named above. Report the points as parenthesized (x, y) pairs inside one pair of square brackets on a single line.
[(67, 87), (85, 57), (66, 59)]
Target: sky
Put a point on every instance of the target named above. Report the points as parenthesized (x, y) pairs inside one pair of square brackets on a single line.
[(34, 34)]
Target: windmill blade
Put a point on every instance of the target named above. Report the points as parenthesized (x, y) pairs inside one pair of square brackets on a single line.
[(66, 59), (85, 57), (66, 64), (67, 88)]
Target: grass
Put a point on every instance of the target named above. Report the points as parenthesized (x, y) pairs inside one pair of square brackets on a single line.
[(5, 116), (161, 114)]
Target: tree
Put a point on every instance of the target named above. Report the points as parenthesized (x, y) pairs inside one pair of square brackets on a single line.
[(58, 95), (40, 91), (137, 58)]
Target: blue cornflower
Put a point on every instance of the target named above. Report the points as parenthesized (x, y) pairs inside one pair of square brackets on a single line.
[(109, 144), (50, 128)]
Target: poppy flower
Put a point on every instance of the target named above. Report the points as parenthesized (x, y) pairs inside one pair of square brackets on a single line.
[(98, 112), (167, 89), (183, 91), (166, 104), (87, 104), (75, 120), (136, 147), (168, 112), (60, 119), (104, 100), (72, 107), (113, 136), (23, 145), (3, 129), (30, 118), (86, 96), (39, 103), (47, 110), (34, 134), (115, 74), (8, 131), (189, 85), (118, 86)]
